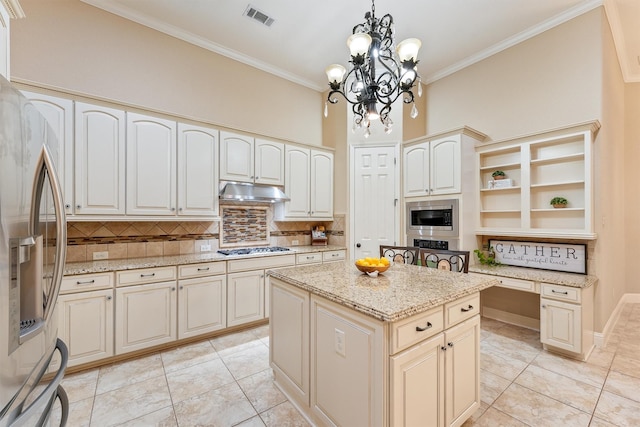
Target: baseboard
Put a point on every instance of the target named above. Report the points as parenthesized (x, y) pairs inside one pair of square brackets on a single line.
[(511, 318), (600, 338)]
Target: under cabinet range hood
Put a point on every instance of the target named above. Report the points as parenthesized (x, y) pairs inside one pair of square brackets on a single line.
[(245, 192)]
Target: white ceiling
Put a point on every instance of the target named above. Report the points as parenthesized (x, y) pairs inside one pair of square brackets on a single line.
[(309, 35)]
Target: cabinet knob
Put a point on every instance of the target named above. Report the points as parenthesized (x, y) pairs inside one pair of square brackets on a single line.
[(450, 344), (77, 206), (181, 287), (173, 209), (67, 206), (544, 306), (443, 348), (180, 209), (109, 297), (173, 288)]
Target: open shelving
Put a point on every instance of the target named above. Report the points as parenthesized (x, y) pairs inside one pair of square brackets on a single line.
[(540, 166)]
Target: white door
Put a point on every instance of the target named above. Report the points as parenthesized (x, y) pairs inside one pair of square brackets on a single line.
[(151, 165), (374, 198), (202, 305), (197, 170), (269, 162), (100, 160)]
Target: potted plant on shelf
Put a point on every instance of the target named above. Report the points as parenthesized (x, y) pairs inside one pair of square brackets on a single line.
[(559, 202), (498, 175)]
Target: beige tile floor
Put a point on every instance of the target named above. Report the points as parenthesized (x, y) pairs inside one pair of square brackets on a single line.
[(226, 381)]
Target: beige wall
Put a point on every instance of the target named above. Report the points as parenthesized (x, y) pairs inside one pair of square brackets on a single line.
[(632, 189), (77, 48)]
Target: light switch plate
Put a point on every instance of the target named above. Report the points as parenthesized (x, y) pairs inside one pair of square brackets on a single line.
[(205, 248), (339, 343)]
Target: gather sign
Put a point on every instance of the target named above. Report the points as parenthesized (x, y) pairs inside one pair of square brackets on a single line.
[(571, 258)]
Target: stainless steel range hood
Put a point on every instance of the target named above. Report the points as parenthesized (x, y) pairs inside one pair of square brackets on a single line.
[(244, 192)]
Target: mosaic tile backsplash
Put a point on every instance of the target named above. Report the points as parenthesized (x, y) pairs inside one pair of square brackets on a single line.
[(242, 226), (122, 239)]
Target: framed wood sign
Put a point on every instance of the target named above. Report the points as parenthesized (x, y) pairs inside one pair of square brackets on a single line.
[(569, 258)]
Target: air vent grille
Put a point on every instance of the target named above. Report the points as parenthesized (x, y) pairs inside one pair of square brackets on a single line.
[(258, 15)]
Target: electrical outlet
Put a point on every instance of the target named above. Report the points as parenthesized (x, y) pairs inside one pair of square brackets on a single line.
[(205, 248), (100, 255), (339, 343), (295, 242)]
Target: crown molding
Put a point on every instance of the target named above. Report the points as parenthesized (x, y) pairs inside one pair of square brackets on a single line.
[(14, 8)]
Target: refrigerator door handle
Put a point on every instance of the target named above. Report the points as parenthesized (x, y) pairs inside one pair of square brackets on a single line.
[(48, 396), (46, 168)]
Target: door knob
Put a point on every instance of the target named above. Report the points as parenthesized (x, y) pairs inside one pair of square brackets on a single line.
[(358, 245)]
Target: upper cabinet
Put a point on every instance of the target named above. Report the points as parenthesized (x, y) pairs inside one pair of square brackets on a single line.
[(151, 165), (197, 170), (538, 168), (245, 159), (309, 185), (435, 165), (58, 112), (99, 160)]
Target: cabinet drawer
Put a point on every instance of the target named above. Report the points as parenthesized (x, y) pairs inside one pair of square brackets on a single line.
[(334, 256), (86, 282), (310, 258), (462, 309), (563, 293), (203, 269), (145, 275), (410, 331), (518, 284)]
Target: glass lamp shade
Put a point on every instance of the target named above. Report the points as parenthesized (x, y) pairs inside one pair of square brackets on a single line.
[(359, 44), (335, 73), (408, 49)]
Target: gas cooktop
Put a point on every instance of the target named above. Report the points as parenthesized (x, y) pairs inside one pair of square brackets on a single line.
[(251, 251)]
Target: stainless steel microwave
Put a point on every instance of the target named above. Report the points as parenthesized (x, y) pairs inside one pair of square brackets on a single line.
[(433, 218)]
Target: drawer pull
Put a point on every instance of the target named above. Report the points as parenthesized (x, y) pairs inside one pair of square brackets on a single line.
[(419, 329), (310, 257), (335, 255), (203, 269), (86, 282), (148, 275), (450, 344), (559, 292), (469, 308)]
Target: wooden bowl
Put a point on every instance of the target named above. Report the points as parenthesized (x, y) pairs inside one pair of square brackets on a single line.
[(371, 269)]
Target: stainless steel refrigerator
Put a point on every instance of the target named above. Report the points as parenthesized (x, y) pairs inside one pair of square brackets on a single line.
[(32, 255)]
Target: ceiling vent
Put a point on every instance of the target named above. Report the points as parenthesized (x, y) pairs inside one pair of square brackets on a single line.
[(259, 16)]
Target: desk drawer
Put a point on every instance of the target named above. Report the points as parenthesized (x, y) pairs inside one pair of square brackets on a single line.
[(204, 269), (86, 282), (462, 309), (145, 275), (309, 258), (518, 284), (562, 293), (408, 332)]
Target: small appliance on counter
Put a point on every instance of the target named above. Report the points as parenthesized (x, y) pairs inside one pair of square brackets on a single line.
[(318, 236)]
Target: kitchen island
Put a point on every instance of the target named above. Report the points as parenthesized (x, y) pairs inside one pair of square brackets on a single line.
[(400, 349)]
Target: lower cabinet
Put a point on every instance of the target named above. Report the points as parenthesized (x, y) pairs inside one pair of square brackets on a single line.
[(145, 316), (86, 325), (245, 298)]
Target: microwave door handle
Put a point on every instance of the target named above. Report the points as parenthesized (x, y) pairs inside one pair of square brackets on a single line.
[(46, 166)]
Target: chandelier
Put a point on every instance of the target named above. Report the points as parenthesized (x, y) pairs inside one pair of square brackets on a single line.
[(377, 77)]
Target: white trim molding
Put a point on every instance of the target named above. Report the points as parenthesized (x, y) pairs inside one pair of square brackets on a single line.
[(600, 338)]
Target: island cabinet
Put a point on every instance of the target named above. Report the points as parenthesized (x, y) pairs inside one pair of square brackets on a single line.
[(342, 367)]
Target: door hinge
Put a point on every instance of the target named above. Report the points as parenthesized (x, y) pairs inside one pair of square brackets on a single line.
[(395, 202), (394, 161)]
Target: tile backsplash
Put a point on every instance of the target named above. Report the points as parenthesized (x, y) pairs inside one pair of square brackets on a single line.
[(123, 239)]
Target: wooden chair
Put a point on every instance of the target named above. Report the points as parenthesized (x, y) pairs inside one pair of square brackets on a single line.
[(400, 254), (457, 261)]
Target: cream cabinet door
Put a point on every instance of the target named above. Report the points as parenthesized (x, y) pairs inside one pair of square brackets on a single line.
[(145, 316), (99, 160), (417, 384), (462, 376), (289, 339), (197, 170), (151, 165), (269, 162), (202, 305), (245, 297), (560, 325), (58, 112), (236, 157), (321, 190), (297, 182), (86, 325), (445, 165), (416, 170)]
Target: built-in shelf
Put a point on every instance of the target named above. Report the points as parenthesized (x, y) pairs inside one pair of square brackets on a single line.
[(542, 166)]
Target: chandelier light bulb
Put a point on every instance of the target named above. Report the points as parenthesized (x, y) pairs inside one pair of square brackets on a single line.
[(359, 44), (408, 49), (335, 73)]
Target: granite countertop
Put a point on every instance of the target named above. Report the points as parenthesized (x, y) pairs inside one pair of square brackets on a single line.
[(170, 260), (400, 292), (554, 277)]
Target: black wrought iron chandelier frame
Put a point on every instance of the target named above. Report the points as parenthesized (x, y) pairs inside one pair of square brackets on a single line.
[(362, 87)]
